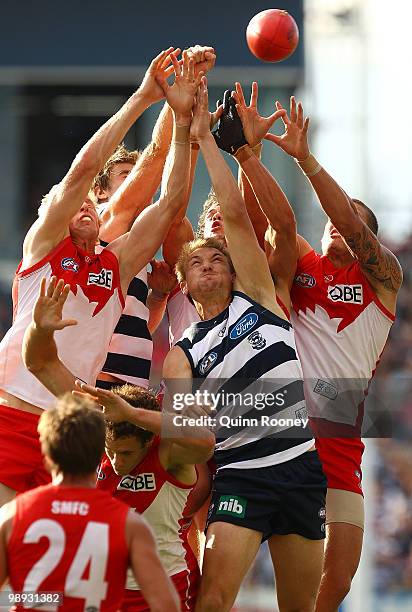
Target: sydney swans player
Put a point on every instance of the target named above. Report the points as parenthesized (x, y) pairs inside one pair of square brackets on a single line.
[(62, 242), (50, 536)]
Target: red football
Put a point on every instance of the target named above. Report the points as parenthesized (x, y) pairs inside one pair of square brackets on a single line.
[(272, 35)]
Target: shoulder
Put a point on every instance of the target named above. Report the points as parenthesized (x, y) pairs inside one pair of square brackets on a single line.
[(176, 363)]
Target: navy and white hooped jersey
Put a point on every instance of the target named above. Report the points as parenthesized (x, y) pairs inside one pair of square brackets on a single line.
[(246, 357), (130, 351)]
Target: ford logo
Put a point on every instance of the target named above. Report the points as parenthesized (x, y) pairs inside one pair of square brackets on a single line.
[(244, 325)]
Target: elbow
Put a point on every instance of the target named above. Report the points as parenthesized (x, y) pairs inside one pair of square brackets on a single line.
[(206, 447)]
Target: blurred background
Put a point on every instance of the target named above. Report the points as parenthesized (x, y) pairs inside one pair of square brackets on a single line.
[(66, 67)]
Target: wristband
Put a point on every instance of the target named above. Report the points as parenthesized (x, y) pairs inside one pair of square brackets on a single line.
[(310, 165), (243, 153), (181, 134), (257, 149)]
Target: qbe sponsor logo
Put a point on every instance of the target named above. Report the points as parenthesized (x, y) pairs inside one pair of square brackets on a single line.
[(244, 325), (141, 482), (349, 294), (232, 505), (103, 279)]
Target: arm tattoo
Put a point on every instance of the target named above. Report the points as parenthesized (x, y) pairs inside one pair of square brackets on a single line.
[(377, 261)]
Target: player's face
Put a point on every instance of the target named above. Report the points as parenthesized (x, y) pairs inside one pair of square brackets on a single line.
[(85, 224), (118, 175), (214, 223), (332, 240), (207, 272), (125, 453)]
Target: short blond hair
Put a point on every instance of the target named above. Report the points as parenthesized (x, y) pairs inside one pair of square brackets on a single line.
[(199, 243)]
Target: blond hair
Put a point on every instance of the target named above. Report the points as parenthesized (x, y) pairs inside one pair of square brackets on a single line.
[(199, 243)]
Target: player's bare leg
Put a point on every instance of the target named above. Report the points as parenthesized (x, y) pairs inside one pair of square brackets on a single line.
[(6, 494), (342, 555), (298, 567), (229, 553)]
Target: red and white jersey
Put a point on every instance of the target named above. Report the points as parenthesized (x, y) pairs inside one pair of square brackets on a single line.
[(341, 329), (181, 313), (162, 500), (69, 540), (95, 301)]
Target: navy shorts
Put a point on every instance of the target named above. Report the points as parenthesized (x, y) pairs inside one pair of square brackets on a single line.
[(287, 498)]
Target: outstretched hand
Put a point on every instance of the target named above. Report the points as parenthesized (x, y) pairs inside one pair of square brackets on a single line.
[(114, 407), (48, 309), (159, 68), (294, 140), (202, 118), (229, 134), (180, 95), (255, 127)]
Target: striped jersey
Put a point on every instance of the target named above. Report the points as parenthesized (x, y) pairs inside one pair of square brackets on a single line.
[(246, 360), (131, 347)]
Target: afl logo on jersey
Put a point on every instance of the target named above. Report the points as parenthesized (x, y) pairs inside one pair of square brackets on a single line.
[(244, 325), (350, 294), (207, 362), (100, 474), (69, 264), (305, 280)]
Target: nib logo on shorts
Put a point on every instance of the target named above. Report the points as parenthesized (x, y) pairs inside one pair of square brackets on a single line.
[(232, 505)]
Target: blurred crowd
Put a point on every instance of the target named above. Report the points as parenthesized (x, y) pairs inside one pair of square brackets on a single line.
[(393, 482)]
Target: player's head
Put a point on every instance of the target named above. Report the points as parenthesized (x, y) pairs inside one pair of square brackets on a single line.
[(332, 240), (114, 172), (72, 436), (205, 270), (85, 224), (210, 223), (127, 444)]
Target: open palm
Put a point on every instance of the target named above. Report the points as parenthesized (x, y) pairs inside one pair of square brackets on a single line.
[(255, 127), (48, 309), (180, 95), (294, 140)]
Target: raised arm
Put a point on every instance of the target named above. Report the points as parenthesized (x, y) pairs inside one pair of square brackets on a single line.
[(378, 263), (136, 248), (181, 230), (39, 347), (271, 198), (188, 445), (252, 271), (66, 198), (141, 184)]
